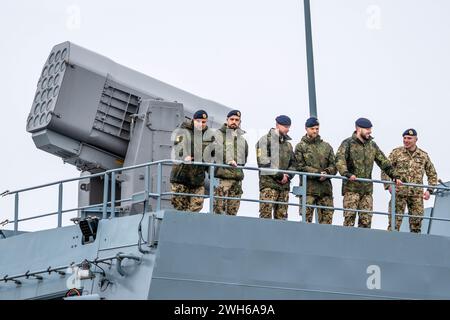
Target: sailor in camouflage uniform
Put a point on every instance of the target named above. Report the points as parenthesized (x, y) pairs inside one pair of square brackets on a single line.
[(187, 178), (234, 151), (354, 159), (274, 151), (411, 163), (314, 155)]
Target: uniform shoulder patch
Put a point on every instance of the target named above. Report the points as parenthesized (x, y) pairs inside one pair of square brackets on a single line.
[(259, 152), (178, 139)]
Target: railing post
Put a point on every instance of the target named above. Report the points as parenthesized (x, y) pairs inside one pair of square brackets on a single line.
[(113, 194), (211, 189), (158, 187), (149, 181), (146, 188), (16, 213), (393, 222), (105, 196), (60, 204), (304, 178)]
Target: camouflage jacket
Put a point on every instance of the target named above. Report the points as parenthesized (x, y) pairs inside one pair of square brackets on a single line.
[(316, 156), (275, 152), (188, 174), (235, 148), (356, 158), (411, 168)]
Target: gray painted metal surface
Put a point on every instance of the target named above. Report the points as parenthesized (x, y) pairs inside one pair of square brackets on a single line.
[(61, 247), (223, 257), (206, 256), (84, 106), (38, 251), (151, 141)]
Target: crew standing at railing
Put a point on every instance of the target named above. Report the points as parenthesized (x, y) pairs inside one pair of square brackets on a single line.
[(411, 163), (233, 148), (354, 159), (274, 151), (314, 155), (189, 145)]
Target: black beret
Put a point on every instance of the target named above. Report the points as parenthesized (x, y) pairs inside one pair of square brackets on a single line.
[(283, 120), (200, 114), (311, 122), (410, 132), (234, 113), (363, 123)]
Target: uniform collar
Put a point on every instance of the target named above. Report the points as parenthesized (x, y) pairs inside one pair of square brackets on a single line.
[(355, 137), (238, 131), (309, 140), (411, 153)]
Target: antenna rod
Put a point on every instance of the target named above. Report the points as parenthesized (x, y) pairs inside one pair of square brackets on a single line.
[(310, 60)]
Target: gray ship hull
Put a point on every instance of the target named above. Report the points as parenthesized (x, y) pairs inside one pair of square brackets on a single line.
[(205, 256)]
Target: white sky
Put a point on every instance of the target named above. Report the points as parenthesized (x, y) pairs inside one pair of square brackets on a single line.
[(385, 60)]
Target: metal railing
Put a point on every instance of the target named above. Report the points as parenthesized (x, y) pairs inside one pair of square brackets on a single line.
[(159, 194)]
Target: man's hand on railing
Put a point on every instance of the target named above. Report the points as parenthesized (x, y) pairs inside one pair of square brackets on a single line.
[(398, 183), (426, 195), (188, 159), (232, 163), (323, 178), (285, 179), (352, 178)]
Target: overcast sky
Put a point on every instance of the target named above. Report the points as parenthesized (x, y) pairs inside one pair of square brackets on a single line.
[(385, 60)]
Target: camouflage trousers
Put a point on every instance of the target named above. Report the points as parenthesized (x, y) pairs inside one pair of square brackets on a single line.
[(187, 203), (415, 208), (325, 216), (279, 210), (357, 201), (228, 188)]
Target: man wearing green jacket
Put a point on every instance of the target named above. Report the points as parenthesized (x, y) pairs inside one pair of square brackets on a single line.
[(354, 159), (411, 163), (274, 151), (187, 178), (314, 155), (234, 151)]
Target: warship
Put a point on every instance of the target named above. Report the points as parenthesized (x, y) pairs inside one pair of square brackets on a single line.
[(127, 242)]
